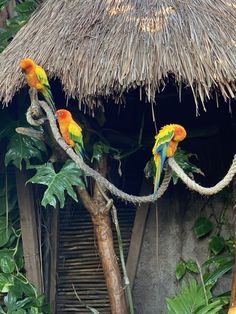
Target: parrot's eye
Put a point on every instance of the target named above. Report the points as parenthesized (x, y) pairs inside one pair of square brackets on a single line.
[(61, 114)]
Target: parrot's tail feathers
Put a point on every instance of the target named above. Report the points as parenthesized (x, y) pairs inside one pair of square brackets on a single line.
[(49, 98), (80, 151), (157, 159)]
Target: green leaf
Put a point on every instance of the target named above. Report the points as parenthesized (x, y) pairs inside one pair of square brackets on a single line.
[(24, 302), (212, 277), (183, 159), (99, 149), (58, 183), (180, 270), (189, 299), (216, 244), (21, 148), (2, 4), (218, 260), (191, 265), (26, 7), (6, 281), (7, 264), (33, 310), (202, 227), (150, 169)]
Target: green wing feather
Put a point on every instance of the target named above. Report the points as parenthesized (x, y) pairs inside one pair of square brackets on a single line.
[(42, 77), (75, 133)]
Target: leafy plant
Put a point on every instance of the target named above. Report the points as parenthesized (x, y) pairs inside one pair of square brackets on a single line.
[(220, 262), (23, 11), (58, 183), (194, 298), (17, 293), (182, 158)]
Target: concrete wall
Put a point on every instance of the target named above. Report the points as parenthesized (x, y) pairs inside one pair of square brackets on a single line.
[(168, 238)]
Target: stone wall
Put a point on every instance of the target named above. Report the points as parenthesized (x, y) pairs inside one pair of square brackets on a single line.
[(168, 238)]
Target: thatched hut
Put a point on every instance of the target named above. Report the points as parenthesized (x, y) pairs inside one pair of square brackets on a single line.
[(103, 51)]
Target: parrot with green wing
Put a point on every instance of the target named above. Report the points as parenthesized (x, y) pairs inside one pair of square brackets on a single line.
[(71, 131), (36, 77), (165, 146)]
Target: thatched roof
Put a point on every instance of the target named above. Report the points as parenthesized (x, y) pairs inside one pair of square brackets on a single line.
[(104, 47)]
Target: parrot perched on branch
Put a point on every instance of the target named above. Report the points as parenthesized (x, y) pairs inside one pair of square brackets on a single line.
[(37, 78), (71, 131), (165, 146)]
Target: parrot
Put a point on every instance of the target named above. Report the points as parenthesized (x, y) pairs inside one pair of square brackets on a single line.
[(166, 142), (36, 77), (71, 131)]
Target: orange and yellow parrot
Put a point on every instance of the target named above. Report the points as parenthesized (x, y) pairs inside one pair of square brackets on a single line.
[(71, 131), (165, 146), (36, 77)]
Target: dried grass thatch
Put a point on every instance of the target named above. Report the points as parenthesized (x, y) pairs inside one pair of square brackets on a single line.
[(105, 47)]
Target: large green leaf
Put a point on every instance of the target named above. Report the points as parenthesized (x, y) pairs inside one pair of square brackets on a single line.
[(202, 227), (21, 148), (58, 183)]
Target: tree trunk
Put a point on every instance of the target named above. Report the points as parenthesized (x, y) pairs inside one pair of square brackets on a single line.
[(109, 262), (99, 211), (232, 309)]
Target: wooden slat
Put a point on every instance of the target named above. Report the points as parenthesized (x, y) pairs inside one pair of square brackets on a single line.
[(137, 235), (29, 230), (79, 263)]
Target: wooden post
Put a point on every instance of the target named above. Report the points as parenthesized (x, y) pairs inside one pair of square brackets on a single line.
[(29, 230), (232, 309), (137, 234)]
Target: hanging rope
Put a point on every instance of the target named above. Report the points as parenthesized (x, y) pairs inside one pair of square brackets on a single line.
[(173, 166), (191, 184)]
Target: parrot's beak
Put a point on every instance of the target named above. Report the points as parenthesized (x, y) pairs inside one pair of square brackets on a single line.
[(55, 116)]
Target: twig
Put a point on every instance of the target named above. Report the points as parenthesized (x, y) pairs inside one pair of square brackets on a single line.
[(92, 309)]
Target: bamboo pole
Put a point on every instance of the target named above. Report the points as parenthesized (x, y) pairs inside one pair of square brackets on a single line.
[(232, 309)]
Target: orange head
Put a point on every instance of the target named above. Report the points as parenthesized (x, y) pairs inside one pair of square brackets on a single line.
[(27, 64), (179, 133), (63, 115)]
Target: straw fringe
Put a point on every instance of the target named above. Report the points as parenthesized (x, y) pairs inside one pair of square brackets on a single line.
[(106, 47)]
